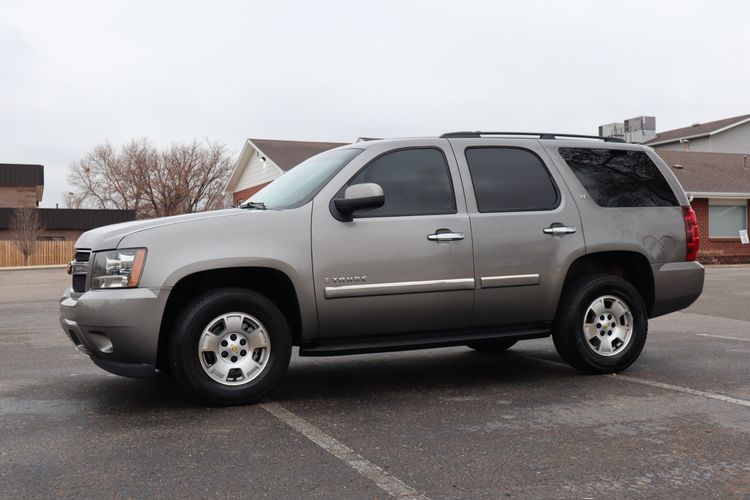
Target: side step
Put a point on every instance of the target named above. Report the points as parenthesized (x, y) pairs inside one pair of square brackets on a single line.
[(405, 342)]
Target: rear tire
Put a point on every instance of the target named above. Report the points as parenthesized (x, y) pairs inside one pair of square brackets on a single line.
[(229, 346), (602, 324), (492, 346)]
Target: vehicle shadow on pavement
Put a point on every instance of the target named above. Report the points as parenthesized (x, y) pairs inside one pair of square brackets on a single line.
[(436, 372), (426, 372), (130, 395)]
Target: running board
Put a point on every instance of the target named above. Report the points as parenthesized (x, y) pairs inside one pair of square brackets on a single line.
[(406, 342)]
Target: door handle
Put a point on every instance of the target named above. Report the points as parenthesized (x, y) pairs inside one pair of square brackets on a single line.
[(446, 236), (559, 230)]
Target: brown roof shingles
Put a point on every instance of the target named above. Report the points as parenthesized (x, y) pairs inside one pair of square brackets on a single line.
[(709, 172), (696, 130), (289, 154)]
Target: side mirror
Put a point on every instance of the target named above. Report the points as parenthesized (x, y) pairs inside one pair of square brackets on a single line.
[(358, 197)]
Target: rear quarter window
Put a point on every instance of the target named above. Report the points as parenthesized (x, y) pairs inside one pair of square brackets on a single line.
[(619, 178)]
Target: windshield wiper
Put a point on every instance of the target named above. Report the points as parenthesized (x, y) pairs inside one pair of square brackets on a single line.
[(258, 205)]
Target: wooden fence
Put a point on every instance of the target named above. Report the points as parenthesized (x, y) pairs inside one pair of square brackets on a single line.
[(45, 253)]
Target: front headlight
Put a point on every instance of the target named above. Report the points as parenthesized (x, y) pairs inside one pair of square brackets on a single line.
[(118, 268)]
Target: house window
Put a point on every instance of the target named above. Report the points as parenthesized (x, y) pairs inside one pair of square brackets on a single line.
[(726, 218)]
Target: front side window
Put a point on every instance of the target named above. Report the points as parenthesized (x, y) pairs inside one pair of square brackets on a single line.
[(726, 218), (619, 178), (510, 180), (414, 181)]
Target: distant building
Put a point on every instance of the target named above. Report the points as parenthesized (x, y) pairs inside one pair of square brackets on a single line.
[(729, 135), (22, 186), (263, 160), (711, 162), (719, 187)]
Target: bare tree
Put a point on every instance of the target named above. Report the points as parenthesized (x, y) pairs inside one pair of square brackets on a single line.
[(25, 227), (181, 179)]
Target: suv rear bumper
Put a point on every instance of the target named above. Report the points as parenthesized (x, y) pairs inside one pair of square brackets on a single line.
[(676, 286), (119, 329)]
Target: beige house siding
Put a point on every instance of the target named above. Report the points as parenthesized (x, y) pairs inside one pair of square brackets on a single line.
[(701, 145), (672, 146), (734, 140), (257, 172)]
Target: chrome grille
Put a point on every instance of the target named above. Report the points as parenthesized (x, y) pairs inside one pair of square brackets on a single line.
[(79, 268)]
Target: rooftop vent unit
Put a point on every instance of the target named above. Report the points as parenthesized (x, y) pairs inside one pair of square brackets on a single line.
[(640, 129), (616, 130)]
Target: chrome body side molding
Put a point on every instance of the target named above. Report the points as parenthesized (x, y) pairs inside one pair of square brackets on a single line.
[(370, 289), (510, 280)]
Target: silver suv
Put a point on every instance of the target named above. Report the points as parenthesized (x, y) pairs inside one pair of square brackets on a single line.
[(471, 238)]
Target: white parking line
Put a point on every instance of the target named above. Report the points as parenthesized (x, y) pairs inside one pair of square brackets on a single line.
[(686, 390), (388, 483), (721, 337), (661, 385)]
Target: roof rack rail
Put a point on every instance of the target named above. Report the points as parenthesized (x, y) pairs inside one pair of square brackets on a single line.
[(539, 135)]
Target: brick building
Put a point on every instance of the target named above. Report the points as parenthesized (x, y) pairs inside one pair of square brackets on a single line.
[(719, 187), (66, 224), (22, 186)]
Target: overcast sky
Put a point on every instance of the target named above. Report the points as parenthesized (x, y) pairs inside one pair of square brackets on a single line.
[(74, 74)]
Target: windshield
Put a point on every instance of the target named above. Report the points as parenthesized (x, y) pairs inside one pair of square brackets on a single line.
[(298, 186)]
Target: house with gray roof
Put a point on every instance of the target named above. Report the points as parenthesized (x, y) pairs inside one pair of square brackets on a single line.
[(263, 160), (728, 135)]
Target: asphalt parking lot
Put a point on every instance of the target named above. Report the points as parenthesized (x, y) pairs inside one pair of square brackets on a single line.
[(438, 423)]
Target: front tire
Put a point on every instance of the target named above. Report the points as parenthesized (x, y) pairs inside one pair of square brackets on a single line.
[(229, 346), (602, 324)]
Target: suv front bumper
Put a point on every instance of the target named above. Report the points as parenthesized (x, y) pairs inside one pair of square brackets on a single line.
[(119, 329)]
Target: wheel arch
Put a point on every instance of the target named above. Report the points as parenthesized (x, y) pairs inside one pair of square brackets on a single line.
[(631, 266), (270, 282)]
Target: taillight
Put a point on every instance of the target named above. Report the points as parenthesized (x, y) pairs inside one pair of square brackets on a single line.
[(692, 236)]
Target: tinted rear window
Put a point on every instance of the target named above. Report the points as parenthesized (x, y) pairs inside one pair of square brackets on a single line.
[(619, 178), (510, 180)]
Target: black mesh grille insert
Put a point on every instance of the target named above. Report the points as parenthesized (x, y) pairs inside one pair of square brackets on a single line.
[(79, 283), (80, 271)]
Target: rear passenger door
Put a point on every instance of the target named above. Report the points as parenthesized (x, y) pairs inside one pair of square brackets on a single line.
[(525, 229)]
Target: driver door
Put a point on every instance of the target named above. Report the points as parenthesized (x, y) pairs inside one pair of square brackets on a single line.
[(404, 267)]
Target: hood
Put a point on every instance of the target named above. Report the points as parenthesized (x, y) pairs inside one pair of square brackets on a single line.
[(108, 237)]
